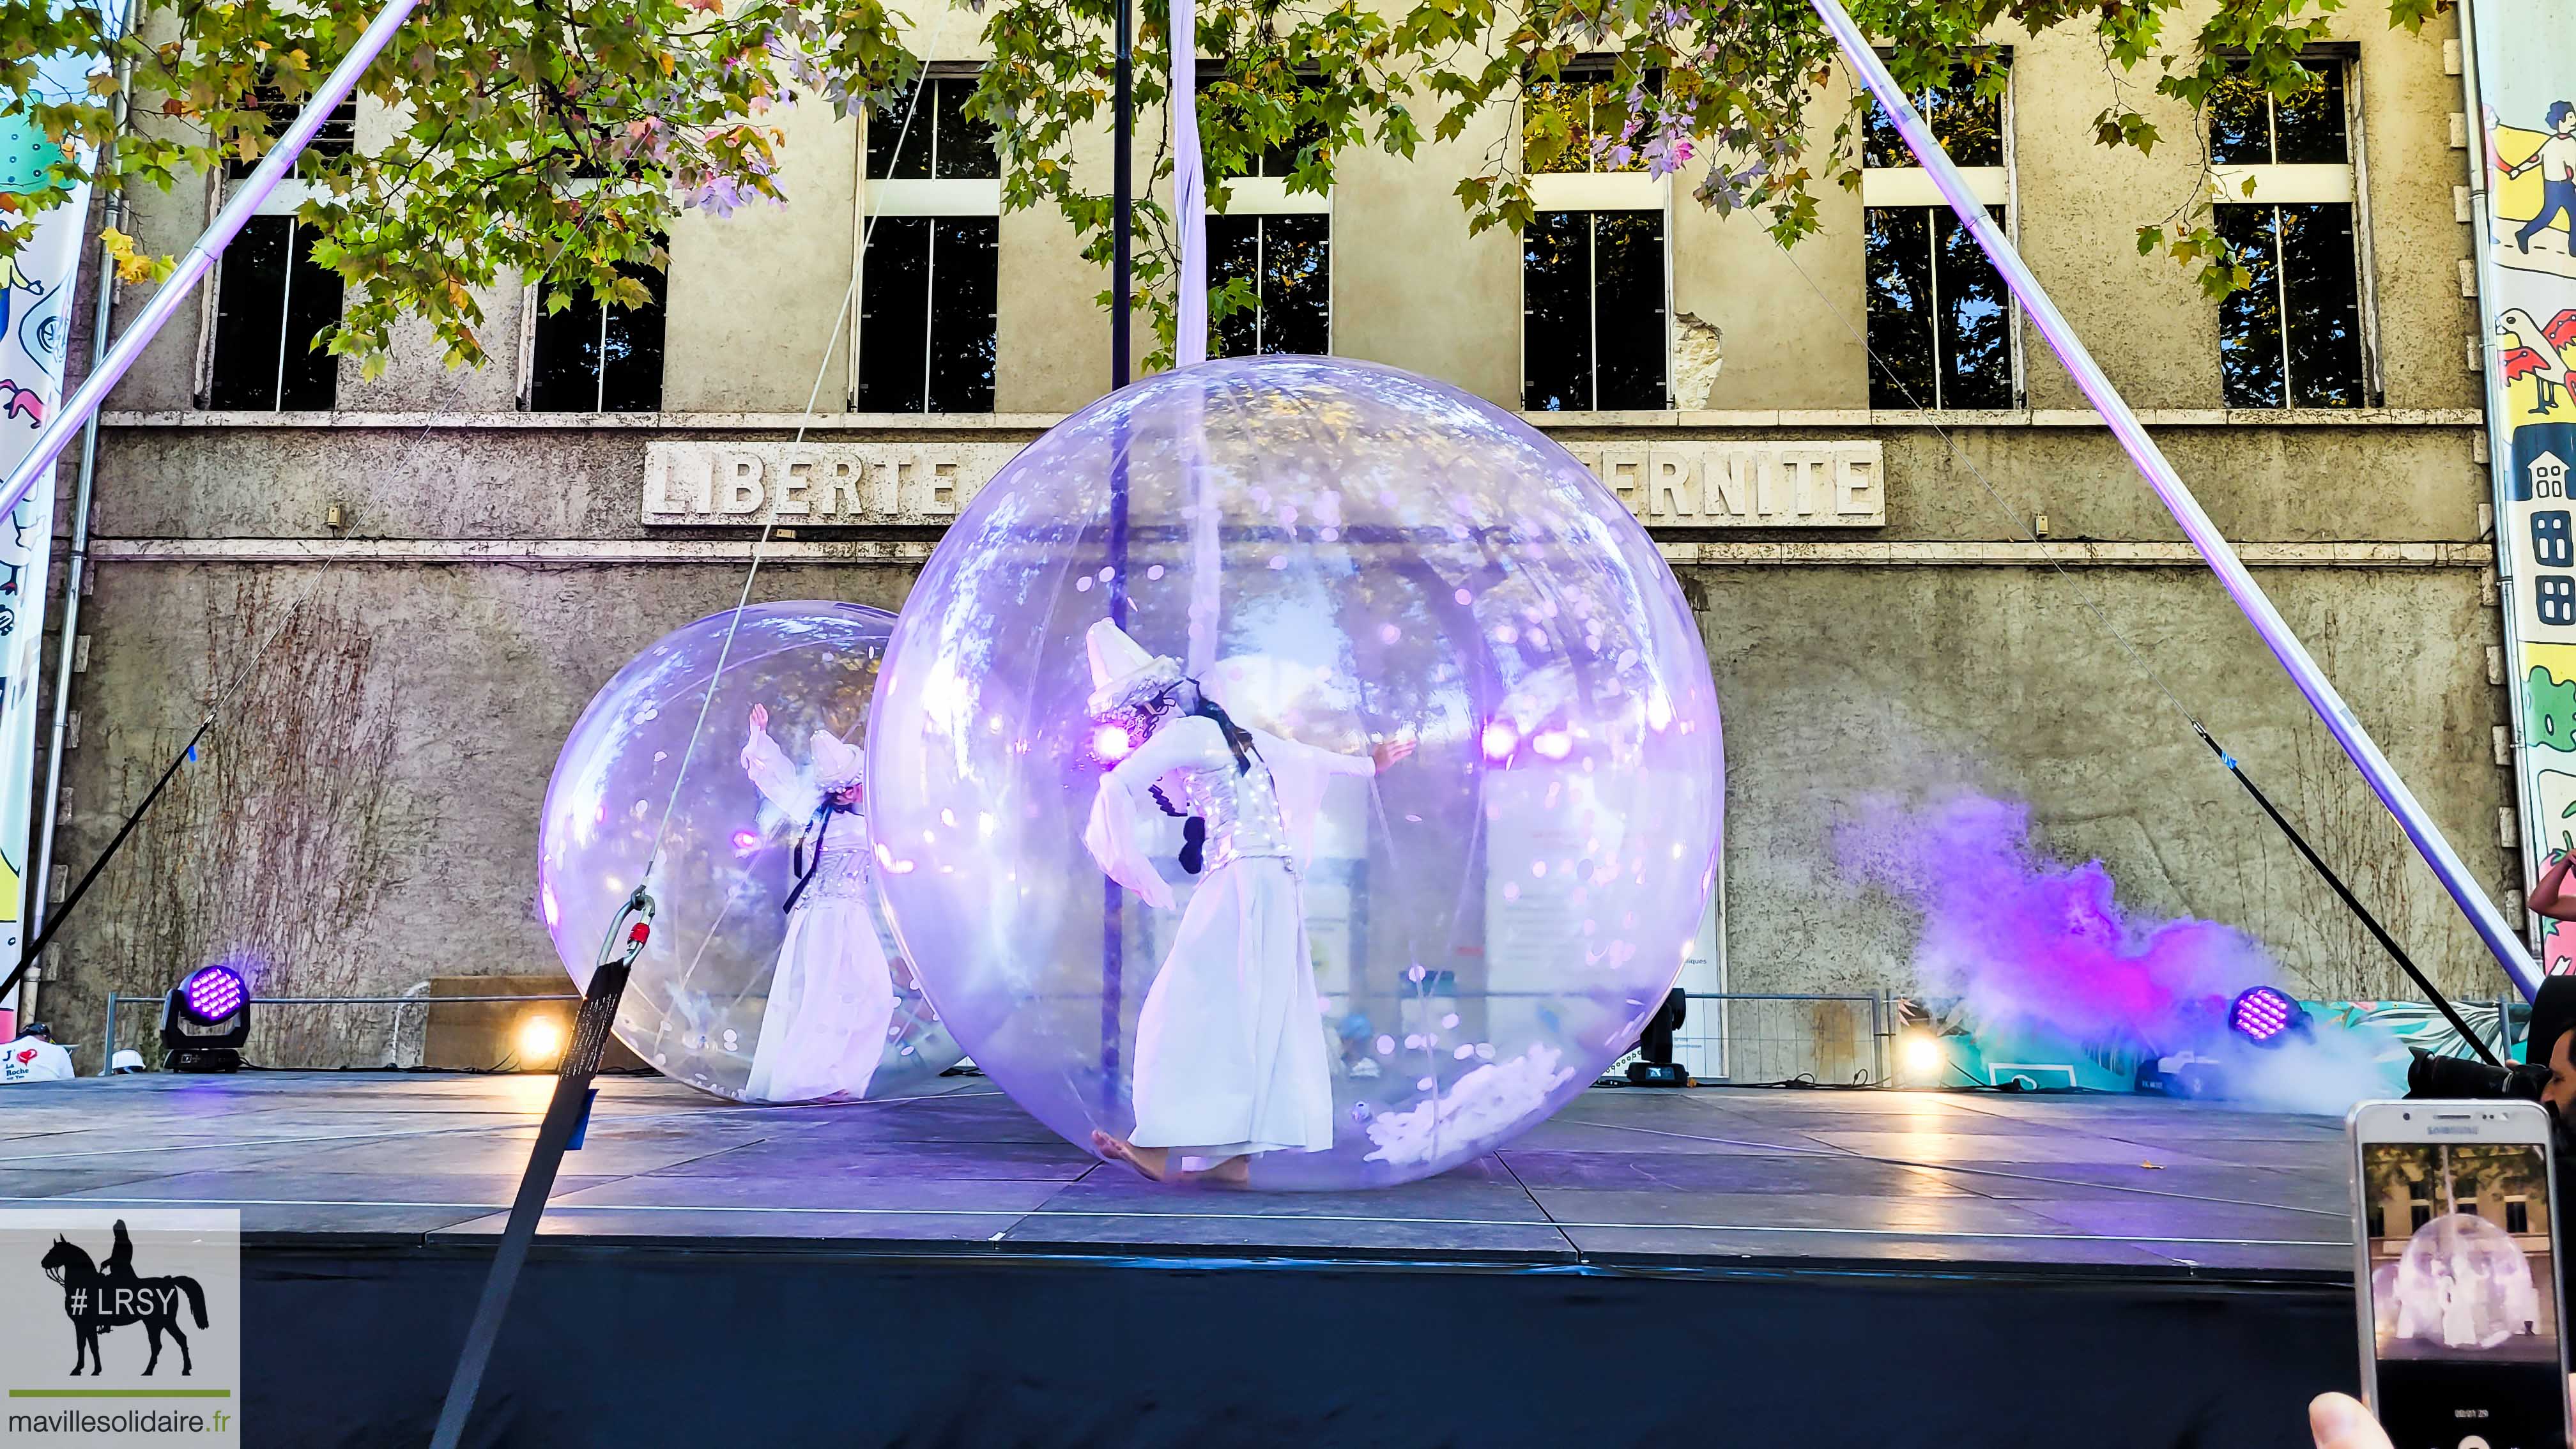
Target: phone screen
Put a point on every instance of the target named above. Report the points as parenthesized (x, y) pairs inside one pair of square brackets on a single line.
[(2463, 1297)]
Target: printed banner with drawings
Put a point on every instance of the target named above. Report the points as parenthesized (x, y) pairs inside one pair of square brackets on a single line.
[(36, 290)]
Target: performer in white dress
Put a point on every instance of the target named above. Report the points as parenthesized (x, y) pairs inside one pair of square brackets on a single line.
[(1230, 1056), (831, 997)]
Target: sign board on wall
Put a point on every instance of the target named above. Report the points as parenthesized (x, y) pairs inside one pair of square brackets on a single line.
[(2527, 296), (1679, 483)]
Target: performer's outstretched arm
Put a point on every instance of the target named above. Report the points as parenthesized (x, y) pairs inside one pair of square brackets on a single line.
[(776, 777)]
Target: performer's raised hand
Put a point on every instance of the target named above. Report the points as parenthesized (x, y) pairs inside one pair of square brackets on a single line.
[(759, 717), (1391, 751)]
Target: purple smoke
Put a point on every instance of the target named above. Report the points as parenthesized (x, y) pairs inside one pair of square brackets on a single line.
[(2025, 941)]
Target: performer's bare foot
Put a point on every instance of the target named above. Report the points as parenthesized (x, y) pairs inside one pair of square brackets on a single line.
[(1233, 1172), (1152, 1162)]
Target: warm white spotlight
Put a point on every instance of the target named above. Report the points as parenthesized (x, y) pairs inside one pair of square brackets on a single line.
[(540, 1038)]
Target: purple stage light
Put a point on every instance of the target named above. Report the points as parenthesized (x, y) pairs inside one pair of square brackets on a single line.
[(213, 994), (2265, 1014), (1500, 741)]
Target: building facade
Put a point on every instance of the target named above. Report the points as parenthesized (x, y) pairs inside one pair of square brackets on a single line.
[(1914, 550)]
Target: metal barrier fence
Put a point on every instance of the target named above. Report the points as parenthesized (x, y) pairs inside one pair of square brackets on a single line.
[(1778, 1037), (1728, 1036), (264, 1008)]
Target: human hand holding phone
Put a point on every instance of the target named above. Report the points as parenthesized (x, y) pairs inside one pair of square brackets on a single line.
[(2339, 1421), (2455, 1281)]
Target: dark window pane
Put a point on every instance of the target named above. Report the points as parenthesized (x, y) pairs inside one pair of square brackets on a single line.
[(1556, 312), (2307, 130), (1901, 309), (2320, 286), (1975, 346), (2517, 1215), (1281, 160), (964, 150), (594, 356), (1296, 284), (338, 136), (563, 371), (2240, 125), (309, 379), (964, 254), (1595, 112), (1572, 100), (886, 128), (1881, 143), (1629, 345), (2249, 321), (250, 315), (1970, 126), (1234, 255), (631, 351), (894, 315)]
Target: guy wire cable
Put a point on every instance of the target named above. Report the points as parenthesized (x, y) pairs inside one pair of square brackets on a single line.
[(813, 395), (2085, 600)]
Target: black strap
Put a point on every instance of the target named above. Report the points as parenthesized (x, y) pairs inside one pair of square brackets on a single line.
[(822, 826), (36, 947), (2406, 963), (564, 1116)]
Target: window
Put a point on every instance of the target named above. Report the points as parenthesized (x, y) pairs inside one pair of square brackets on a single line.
[(1584, 99), (1278, 243), (271, 298), (1592, 311), (1941, 327), (1287, 261), (1594, 274), (2418, 1213), (594, 357), (928, 273), (2293, 336), (2517, 1215)]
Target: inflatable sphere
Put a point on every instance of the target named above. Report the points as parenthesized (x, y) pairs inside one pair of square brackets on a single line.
[(1462, 857), (736, 994), (2463, 1283)]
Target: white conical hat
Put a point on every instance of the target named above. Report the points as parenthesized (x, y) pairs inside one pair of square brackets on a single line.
[(1122, 672), (836, 765)]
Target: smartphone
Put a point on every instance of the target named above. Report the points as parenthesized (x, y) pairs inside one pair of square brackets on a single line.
[(2457, 1274)]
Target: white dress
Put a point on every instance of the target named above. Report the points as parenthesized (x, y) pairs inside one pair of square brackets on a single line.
[(831, 998), (1230, 1056)]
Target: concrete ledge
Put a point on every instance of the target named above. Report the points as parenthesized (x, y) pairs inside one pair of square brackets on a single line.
[(1552, 422), (2075, 555), (1835, 553)]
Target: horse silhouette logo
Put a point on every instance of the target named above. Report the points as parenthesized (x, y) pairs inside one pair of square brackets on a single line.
[(97, 1300)]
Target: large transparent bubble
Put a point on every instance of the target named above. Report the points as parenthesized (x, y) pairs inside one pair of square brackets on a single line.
[(736, 994), (1487, 923), (2464, 1285)]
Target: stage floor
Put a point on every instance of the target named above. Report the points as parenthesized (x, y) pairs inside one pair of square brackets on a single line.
[(2096, 1188)]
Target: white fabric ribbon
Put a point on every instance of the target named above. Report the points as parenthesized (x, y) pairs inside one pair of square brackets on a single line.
[(1189, 340)]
